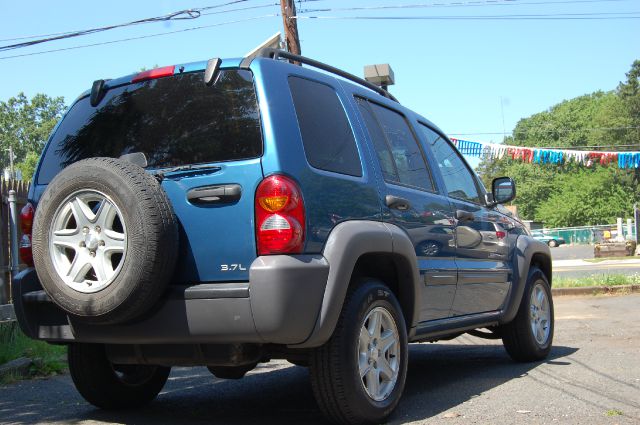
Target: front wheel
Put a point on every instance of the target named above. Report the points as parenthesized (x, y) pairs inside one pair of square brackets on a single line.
[(110, 386), (530, 334), (358, 376), (553, 243)]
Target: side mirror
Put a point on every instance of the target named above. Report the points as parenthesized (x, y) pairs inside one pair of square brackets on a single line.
[(503, 190)]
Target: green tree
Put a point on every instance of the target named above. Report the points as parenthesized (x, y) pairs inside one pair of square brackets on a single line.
[(570, 194), (28, 165), (25, 126), (587, 197), (629, 93)]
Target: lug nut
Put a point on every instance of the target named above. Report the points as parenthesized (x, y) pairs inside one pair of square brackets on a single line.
[(92, 253), (85, 229), (98, 229), (82, 244), (101, 243)]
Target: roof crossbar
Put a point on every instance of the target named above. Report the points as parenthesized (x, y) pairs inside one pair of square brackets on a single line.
[(277, 54)]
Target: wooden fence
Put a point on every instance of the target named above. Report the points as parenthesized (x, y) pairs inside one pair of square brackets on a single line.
[(22, 188)]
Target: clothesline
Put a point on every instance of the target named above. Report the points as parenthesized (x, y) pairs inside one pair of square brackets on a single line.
[(547, 156)]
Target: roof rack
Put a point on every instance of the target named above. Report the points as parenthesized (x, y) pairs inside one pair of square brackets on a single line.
[(277, 54)]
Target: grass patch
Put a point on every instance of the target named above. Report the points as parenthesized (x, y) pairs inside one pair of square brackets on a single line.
[(614, 412), (597, 280), (47, 359), (600, 260)]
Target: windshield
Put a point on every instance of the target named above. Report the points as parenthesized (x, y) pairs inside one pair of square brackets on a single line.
[(174, 121)]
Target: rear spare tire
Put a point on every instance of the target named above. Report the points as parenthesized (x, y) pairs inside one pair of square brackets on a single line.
[(104, 240)]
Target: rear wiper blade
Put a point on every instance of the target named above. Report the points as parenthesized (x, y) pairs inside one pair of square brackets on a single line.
[(160, 174)]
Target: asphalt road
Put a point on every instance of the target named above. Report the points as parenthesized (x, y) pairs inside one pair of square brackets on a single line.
[(593, 369), (583, 252), (572, 252)]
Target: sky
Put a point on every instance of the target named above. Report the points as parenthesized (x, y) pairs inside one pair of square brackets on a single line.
[(473, 78)]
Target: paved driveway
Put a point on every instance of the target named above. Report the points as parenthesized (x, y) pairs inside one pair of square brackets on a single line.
[(593, 375)]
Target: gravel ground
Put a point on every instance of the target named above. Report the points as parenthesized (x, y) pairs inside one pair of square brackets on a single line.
[(591, 377)]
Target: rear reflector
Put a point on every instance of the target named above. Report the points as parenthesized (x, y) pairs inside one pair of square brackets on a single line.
[(501, 235), (151, 74)]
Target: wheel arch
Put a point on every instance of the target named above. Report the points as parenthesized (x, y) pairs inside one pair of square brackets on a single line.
[(357, 249), (528, 253)]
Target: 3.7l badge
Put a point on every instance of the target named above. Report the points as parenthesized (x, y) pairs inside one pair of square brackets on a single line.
[(231, 267)]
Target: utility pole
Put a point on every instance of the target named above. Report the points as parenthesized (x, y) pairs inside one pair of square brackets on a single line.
[(288, 8)]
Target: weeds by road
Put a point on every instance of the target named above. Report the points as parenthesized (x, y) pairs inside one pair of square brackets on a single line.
[(597, 280), (47, 359)]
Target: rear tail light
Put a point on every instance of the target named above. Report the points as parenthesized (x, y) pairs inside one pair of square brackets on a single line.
[(280, 216), (151, 74), (501, 235), (26, 223), (26, 254)]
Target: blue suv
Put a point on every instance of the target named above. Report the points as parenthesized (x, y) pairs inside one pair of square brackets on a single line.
[(226, 213)]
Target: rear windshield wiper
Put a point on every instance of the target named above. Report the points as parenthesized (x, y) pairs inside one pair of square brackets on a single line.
[(162, 173)]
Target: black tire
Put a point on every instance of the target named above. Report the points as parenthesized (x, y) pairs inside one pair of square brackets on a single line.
[(151, 240), (517, 336), (109, 386), (338, 388), (553, 243)]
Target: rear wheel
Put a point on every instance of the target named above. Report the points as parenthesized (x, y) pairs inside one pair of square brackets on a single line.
[(530, 335), (110, 386), (553, 243), (358, 376)]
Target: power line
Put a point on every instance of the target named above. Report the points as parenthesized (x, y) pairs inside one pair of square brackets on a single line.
[(141, 37), (552, 16), (471, 3), (185, 14)]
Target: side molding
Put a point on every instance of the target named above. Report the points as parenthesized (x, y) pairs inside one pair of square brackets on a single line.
[(347, 242)]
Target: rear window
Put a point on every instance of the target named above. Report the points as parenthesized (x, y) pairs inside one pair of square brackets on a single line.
[(174, 121)]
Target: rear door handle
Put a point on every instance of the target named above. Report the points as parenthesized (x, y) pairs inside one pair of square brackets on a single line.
[(397, 203), (463, 215), (219, 194)]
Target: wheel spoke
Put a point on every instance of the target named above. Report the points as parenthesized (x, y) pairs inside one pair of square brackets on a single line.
[(374, 324), (79, 268), (104, 216), (373, 382), (100, 268), (385, 369), (114, 241), (81, 212), (387, 340), (539, 298), (540, 334), (69, 238), (364, 368)]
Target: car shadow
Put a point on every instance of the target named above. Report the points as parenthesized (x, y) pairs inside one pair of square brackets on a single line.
[(440, 377)]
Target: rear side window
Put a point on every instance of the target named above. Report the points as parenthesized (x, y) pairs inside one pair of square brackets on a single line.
[(174, 121), (400, 158), (327, 137)]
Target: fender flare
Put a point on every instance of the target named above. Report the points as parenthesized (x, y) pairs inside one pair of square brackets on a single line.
[(347, 242), (528, 250)]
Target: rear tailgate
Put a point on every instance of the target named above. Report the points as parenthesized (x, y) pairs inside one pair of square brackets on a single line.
[(199, 140)]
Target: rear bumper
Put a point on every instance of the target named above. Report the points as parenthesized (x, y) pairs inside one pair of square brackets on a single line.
[(279, 305)]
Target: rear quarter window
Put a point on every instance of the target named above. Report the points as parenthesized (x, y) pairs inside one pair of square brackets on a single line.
[(327, 137)]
